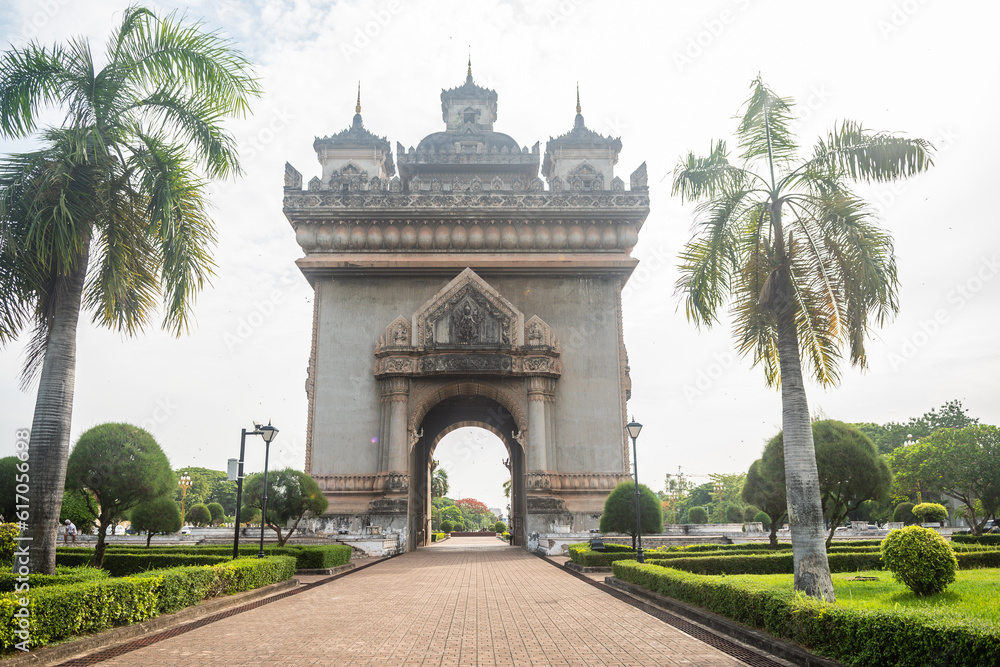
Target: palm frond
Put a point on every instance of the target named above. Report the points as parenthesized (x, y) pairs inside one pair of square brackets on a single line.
[(867, 156), (30, 78), (708, 261), (176, 208), (696, 178), (764, 132)]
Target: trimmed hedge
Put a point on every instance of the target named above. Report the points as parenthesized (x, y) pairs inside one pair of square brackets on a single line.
[(855, 637), (9, 580), (58, 612), (126, 560), (991, 540)]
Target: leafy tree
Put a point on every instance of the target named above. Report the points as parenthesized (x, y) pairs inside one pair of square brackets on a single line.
[(888, 437), (762, 518), (216, 511), (124, 179), (223, 492), (198, 515), (805, 268), (765, 488), (697, 514), (850, 469), (963, 464), (290, 495), (619, 511), (500, 527), (159, 516), (750, 513), (76, 508), (451, 513), (475, 514), (734, 514), (446, 526), (249, 515), (121, 466)]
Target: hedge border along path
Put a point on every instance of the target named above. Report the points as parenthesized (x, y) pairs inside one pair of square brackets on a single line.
[(128, 647), (128, 560), (855, 637), (62, 612)]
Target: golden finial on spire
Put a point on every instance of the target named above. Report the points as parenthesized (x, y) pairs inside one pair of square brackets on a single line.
[(357, 107), (578, 110)]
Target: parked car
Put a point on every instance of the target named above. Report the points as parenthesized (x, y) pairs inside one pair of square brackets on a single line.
[(186, 530)]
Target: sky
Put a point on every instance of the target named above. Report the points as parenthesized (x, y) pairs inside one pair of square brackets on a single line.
[(666, 77)]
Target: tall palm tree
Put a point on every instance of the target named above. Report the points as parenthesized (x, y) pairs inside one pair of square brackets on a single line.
[(805, 268), (439, 483), (121, 183)]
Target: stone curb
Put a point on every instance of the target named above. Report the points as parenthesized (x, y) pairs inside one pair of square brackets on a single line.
[(327, 570), (583, 569), (48, 655), (759, 640)]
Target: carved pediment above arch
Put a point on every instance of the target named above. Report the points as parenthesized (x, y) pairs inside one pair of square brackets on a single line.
[(538, 334), (397, 334), (466, 313)]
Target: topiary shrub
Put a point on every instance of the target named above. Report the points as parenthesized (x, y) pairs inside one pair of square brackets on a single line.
[(750, 514), (919, 558), (697, 515), (217, 512), (930, 512), (446, 526), (763, 518), (199, 515), (734, 514), (500, 527), (904, 514)]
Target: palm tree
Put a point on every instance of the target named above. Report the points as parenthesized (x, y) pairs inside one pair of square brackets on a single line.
[(122, 182), (439, 483), (805, 267)]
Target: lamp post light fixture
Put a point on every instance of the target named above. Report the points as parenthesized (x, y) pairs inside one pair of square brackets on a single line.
[(633, 428), (185, 484), (268, 432)]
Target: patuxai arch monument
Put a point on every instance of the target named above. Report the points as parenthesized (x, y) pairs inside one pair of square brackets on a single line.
[(465, 290)]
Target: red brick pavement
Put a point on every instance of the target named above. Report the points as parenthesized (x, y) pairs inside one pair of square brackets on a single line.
[(466, 601)]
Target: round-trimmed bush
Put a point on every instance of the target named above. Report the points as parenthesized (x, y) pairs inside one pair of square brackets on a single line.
[(919, 558), (734, 514), (929, 512), (446, 526), (904, 514), (217, 512), (199, 515), (749, 514), (763, 518), (697, 515), (500, 527)]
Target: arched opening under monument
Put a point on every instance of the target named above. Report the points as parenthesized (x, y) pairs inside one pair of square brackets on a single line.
[(453, 412), (476, 462)]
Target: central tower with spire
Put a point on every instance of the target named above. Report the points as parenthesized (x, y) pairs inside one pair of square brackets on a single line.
[(466, 291)]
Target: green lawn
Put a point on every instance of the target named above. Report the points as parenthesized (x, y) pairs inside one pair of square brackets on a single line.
[(974, 595)]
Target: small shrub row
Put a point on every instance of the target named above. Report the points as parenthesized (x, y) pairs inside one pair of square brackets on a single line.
[(130, 559), (856, 637), (437, 537), (990, 540), (60, 611)]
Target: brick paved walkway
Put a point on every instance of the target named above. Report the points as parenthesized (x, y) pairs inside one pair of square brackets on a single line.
[(466, 601)]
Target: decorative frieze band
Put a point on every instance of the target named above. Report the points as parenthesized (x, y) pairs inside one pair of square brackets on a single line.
[(574, 482), (391, 482), (467, 235), (523, 361)]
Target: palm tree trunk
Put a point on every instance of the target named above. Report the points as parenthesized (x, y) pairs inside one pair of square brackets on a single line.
[(805, 512), (50, 426)]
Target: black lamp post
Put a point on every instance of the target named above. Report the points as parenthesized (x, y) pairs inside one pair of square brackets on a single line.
[(268, 432), (633, 428)]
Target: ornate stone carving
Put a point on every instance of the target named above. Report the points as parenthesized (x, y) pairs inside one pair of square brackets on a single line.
[(638, 179), (468, 312), (293, 179), (397, 334), (415, 436), (466, 363), (314, 184), (538, 334)]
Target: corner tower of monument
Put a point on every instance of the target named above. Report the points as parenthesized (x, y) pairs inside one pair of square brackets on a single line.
[(464, 292)]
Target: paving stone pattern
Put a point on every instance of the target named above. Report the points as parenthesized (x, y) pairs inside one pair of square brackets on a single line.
[(466, 601)]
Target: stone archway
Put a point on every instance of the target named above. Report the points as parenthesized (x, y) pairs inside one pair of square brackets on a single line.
[(472, 407), (451, 284)]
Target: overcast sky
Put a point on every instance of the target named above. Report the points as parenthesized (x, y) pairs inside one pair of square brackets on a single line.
[(667, 78)]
